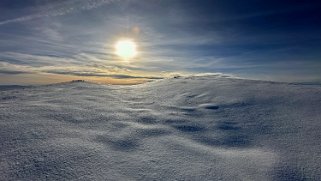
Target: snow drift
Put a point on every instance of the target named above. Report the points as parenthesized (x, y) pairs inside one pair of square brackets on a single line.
[(194, 128)]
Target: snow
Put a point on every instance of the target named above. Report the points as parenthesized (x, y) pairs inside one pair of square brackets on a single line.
[(187, 128)]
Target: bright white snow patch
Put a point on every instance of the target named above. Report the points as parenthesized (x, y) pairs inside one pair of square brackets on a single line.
[(192, 128)]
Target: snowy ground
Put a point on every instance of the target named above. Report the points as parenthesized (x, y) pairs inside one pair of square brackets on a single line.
[(196, 128)]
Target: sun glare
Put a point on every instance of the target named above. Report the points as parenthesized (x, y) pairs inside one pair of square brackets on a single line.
[(126, 49)]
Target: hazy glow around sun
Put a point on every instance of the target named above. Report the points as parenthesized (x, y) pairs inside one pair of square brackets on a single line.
[(126, 48)]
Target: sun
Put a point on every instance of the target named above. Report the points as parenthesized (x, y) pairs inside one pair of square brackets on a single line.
[(126, 48)]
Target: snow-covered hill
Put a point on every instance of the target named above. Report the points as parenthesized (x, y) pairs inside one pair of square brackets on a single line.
[(194, 128)]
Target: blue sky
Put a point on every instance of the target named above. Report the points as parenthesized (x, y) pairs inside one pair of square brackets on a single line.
[(49, 41)]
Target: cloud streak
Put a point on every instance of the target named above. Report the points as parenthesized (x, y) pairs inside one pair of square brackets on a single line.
[(13, 69), (13, 72), (107, 71), (60, 9), (100, 74)]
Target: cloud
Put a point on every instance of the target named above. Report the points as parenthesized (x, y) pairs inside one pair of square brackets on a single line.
[(13, 72), (99, 71), (59, 9), (100, 74), (35, 60), (120, 76), (13, 69), (217, 74)]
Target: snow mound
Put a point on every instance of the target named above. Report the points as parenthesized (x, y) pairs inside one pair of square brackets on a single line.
[(192, 128)]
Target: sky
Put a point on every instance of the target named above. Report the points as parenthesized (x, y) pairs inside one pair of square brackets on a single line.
[(45, 41)]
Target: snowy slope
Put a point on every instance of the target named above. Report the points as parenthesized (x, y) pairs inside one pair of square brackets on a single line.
[(194, 128)]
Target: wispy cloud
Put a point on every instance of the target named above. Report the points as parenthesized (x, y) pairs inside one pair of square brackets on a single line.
[(100, 74), (13, 69), (59, 9), (35, 60), (13, 72), (84, 71)]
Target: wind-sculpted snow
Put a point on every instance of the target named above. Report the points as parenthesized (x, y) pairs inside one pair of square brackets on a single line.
[(194, 128)]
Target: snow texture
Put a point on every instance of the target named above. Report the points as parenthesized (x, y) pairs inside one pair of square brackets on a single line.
[(188, 128)]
